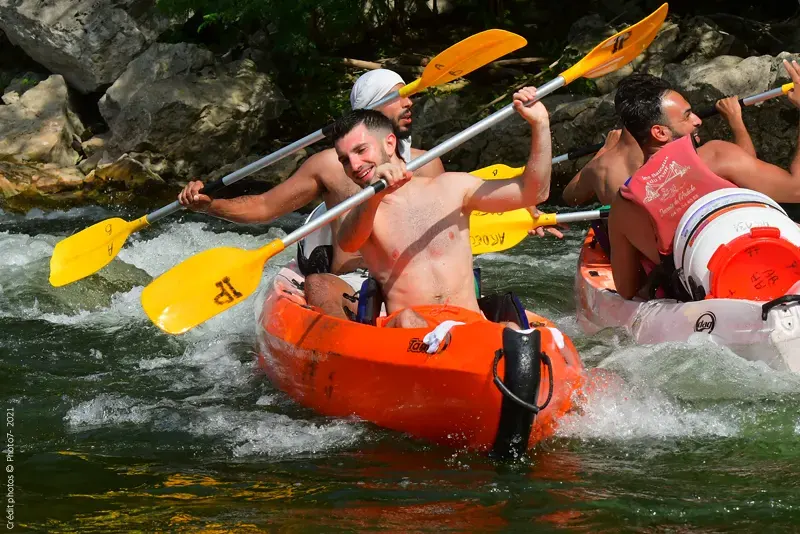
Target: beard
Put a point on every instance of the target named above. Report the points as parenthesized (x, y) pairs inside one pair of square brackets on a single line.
[(402, 132), (695, 134)]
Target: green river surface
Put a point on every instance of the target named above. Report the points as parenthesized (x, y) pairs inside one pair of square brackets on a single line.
[(120, 427)]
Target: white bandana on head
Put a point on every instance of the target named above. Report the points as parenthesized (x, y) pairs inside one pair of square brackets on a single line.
[(370, 88)]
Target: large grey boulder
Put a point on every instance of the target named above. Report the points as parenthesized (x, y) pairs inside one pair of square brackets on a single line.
[(40, 126), (202, 120), (159, 62), (89, 42)]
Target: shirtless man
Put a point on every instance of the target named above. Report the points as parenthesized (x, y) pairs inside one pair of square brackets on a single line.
[(321, 175), (621, 155), (414, 235), (659, 117)]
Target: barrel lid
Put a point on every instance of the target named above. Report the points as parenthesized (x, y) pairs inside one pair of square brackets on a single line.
[(759, 265)]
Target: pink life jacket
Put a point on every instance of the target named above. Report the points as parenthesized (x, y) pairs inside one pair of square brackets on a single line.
[(671, 180)]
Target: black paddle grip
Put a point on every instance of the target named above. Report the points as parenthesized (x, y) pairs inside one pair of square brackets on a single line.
[(584, 151), (709, 111), (213, 187)]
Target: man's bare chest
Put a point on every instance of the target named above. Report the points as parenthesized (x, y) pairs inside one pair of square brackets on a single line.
[(422, 226)]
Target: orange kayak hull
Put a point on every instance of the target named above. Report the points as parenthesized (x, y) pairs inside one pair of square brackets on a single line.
[(385, 375)]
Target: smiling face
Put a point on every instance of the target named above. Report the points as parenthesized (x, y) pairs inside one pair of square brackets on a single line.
[(399, 112), (679, 117), (361, 150)]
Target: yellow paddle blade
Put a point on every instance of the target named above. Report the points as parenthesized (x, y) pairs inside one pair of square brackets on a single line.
[(618, 50), (494, 232), (205, 285), (464, 57), (91, 249), (498, 171)]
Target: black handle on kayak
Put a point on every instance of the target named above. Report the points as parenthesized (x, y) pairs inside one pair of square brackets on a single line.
[(508, 393), (710, 111), (584, 151), (786, 299)]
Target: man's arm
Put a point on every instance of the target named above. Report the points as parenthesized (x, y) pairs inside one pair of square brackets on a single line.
[(625, 258), (533, 187), (356, 225), (295, 192), (733, 163), (731, 110), (736, 165)]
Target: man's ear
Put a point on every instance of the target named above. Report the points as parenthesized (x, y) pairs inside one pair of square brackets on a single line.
[(390, 143), (661, 133)]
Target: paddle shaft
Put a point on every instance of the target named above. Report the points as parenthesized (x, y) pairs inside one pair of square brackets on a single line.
[(421, 161), (711, 110), (266, 161), (590, 215)]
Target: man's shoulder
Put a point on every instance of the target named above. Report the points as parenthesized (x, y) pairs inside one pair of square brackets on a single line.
[(716, 149), (325, 164), (323, 157)]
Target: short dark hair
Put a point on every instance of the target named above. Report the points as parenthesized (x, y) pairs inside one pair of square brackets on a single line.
[(638, 103), (373, 120)]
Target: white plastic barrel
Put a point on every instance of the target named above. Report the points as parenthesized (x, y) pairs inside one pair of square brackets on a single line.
[(700, 233)]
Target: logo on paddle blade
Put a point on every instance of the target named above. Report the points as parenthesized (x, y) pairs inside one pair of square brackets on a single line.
[(227, 293), (619, 42), (705, 323)]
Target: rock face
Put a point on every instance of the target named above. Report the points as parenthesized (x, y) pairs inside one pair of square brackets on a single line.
[(172, 100), (39, 126), (89, 42)]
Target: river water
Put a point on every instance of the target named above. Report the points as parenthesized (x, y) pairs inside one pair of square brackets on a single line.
[(118, 426)]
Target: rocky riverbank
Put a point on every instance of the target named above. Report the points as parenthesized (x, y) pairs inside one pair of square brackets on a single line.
[(99, 107)]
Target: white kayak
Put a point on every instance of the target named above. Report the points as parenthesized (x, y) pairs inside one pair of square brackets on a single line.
[(758, 331)]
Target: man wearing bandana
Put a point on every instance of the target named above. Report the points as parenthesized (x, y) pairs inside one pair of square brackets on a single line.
[(322, 175)]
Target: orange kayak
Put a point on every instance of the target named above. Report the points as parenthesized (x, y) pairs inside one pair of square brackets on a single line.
[(486, 387)]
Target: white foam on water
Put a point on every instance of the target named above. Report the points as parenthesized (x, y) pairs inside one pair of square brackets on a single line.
[(266, 400), (21, 249), (264, 433), (699, 371), (109, 410), (213, 361), (247, 433), (124, 309), (664, 387), (634, 413)]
